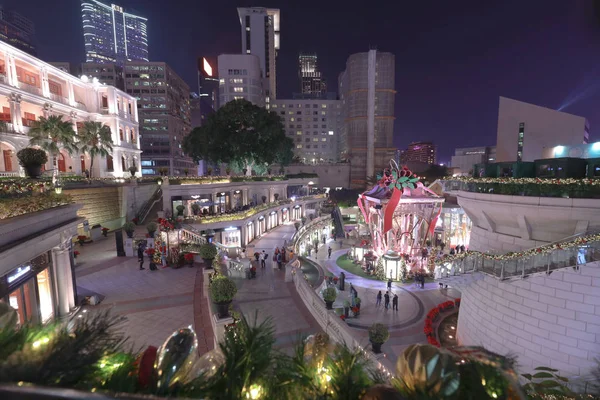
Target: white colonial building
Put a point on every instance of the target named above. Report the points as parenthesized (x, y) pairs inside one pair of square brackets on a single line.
[(31, 88)]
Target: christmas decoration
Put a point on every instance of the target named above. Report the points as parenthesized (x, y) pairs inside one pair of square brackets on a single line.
[(175, 358)]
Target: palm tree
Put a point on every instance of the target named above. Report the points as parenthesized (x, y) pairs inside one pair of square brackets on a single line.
[(96, 140), (53, 134)]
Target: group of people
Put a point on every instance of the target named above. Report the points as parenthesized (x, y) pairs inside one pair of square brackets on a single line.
[(386, 296), (458, 249)]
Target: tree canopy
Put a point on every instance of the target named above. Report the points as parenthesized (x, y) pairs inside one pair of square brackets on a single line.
[(242, 135)]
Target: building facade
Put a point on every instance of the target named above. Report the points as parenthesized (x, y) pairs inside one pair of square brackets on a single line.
[(31, 88), (112, 35), (464, 159), (260, 37), (240, 78), (106, 73), (525, 129), (423, 152), (313, 126), (164, 109), (208, 84), (17, 30), (311, 81), (367, 92)]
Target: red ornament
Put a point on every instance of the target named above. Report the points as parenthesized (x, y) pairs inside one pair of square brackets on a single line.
[(146, 367)]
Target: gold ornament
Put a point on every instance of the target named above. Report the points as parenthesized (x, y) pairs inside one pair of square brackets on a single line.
[(425, 368), (176, 357), (206, 365)]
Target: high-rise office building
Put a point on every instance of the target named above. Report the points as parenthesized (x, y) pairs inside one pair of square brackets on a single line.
[(313, 126), (164, 113), (106, 73), (423, 152), (208, 83), (240, 78), (367, 93), (311, 81), (113, 35), (260, 37), (17, 30)]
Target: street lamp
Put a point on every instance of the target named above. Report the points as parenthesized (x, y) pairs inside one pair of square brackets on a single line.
[(58, 187)]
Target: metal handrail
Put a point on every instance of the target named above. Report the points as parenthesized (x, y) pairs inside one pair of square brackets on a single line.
[(145, 210)]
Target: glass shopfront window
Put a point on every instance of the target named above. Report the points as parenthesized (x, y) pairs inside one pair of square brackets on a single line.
[(231, 237), (29, 290)]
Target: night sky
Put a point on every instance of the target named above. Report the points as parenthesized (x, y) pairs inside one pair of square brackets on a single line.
[(453, 58)]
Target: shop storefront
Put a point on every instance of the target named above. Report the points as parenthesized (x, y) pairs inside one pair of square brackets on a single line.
[(231, 237), (250, 232), (285, 215), (453, 227), (29, 290), (272, 220), (262, 226), (296, 212)]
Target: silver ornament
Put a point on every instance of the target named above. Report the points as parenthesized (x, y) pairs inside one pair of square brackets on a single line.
[(176, 357)]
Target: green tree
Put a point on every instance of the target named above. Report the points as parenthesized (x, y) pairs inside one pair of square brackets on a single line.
[(242, 135), (434, 172), (96, 140), (53, 134)]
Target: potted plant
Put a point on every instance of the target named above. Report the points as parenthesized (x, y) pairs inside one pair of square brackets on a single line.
[(346, 308), (297, 226), (75, 254), (378, 334), (276, 196), (104, 231), (180, 209), (208, 252), (150, 253), (81, 239), (32, 160), (195, 208), (329, 295), (222, 291), (264, 199), (132, 170), (152, 227), (189, 258), (129, 228)]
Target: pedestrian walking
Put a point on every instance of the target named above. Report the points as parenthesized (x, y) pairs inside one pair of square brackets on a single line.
[(387, 300), (140, 254), (378, 302), (462, 248), (329, 252), (243, 253), (341, 243), (279, 263), (395, 302), (263, 259), (389, 284)]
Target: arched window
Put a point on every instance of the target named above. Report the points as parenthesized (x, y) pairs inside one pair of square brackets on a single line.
[(109, 164), (123, 163), (121, 134)]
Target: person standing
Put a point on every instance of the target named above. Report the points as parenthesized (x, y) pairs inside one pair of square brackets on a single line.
[(329, 252), (378, 302), (263, 260), (140, 254), (279, 262), (389, 285), (395, 302), (387, 300)]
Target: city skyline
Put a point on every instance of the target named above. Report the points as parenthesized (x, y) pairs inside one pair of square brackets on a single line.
[(449, 78)]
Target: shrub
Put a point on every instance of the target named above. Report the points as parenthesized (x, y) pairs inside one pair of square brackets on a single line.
[(222, 289), (129, 226), (31, 156), (208, 251), (329, 294), (152, 227), (379, 333), (195, 208)]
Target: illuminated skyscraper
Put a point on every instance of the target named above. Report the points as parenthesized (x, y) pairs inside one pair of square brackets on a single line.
[(112, 35), (17, 30), (311, 81), (260, 37)]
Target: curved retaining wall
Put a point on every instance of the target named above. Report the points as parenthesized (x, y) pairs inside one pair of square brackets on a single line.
[(551, 321)]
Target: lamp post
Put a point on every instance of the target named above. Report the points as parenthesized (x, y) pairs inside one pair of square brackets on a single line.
[(58, 187)]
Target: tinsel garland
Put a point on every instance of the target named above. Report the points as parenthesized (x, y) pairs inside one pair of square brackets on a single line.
[(528, 181), (549, 248)]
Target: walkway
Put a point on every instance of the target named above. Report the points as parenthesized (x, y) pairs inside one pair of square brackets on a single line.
[(406, 324), (156, 303), (270, 296)]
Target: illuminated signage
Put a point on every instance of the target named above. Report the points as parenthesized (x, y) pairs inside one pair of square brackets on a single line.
[(18, 273), (206, 66), (231, 228)]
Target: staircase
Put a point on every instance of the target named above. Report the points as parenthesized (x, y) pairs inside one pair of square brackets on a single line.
[(152, 201), (338, 222), (572, 252)]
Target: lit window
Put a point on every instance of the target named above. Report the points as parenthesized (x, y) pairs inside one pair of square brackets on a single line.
[(324, 105), (315, 139), (323, 113), (238, 89), (274, 106), (298, 132), (291, 112), (298, 146), (323, 139), (330, 133), (292, 119), (238, 97), (221, 81)]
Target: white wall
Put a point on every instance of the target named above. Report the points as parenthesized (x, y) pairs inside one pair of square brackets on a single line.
[(329, 175), (543, 128), (251, 83), (551, 321)]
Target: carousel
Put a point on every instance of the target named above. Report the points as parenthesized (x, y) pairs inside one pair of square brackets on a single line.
[(400, 215)]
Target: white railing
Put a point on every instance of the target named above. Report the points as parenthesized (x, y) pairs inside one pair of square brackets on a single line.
[(80, 105), (59, 98), (30, 88), (190, 234), (104, 110), (329, 321), (308, 228), (9, 173)]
